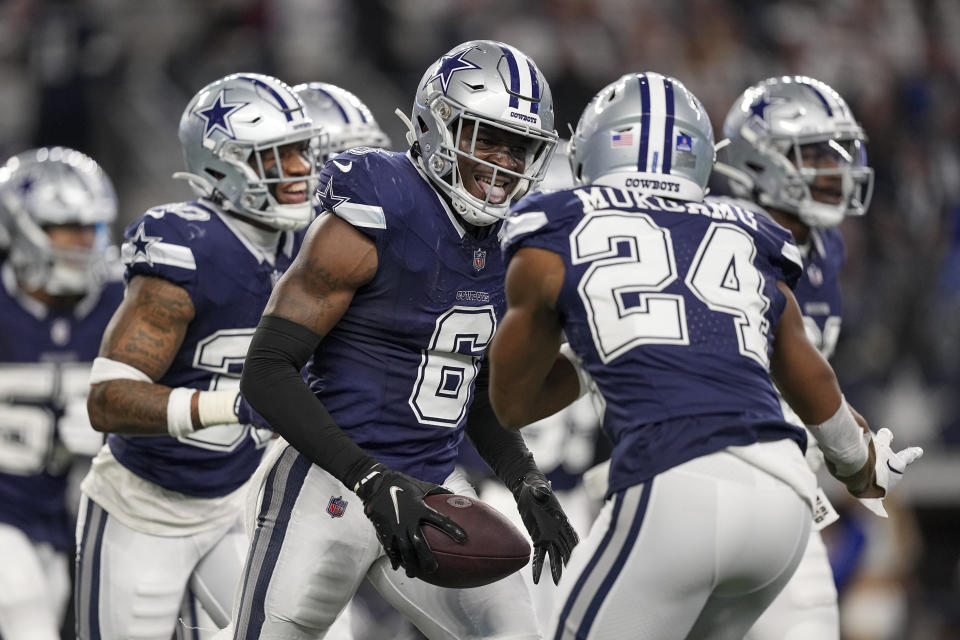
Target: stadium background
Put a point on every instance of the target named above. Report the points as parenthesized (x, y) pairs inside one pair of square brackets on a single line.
[(111, 77)]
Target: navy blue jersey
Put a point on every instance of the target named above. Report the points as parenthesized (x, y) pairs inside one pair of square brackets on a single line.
[(194, 246), (397, 372), (818, 290), (672, 307), (45, 360)]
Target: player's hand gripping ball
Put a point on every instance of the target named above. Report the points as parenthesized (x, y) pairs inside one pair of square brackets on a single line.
[(494, 548)]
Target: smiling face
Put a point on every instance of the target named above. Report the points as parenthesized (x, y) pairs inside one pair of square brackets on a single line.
[(498, 147), (826, 158), (293, 162)]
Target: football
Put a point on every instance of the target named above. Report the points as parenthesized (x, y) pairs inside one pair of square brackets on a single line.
[(494, 548)]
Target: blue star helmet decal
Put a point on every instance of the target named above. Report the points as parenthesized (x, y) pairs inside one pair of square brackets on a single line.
[(26, 186), (449, 65), (760, 106), (141, 245), (217, 115)]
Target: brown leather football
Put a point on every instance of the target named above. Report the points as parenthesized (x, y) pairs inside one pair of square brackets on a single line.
[(493, 550)]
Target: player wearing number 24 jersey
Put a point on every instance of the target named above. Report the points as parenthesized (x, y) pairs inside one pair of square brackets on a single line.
[(679, 316)]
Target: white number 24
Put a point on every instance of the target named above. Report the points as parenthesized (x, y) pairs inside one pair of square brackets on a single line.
[(721, 275)]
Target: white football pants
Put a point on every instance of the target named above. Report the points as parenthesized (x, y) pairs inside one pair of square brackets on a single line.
[(697, 552), (310, 552), (34, 587), (807, 607), (131, 585)]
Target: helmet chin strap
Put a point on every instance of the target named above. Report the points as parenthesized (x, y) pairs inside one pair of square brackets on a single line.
[(411, 134), (198, 183)]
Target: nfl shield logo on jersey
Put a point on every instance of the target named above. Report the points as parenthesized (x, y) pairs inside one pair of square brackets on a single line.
[(479, 259), (336, 506)]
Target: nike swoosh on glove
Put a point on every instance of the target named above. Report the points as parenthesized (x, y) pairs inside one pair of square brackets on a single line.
[(393, 502), (889, 468), (546, 522)]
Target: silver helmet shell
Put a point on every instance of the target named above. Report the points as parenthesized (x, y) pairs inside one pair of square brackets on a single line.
[(340, 118), (53, 186), (225, 131), (487, 83), (768, 127), (645, 131)]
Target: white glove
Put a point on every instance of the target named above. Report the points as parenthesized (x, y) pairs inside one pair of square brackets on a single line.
[(889, 468)]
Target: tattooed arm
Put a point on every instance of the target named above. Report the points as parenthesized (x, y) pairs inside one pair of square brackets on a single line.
[(146, 332), (306, 304)]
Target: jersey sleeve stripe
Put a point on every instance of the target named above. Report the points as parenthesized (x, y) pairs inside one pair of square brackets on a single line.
[(362, 215), (518, 225), (159, 253), (791, 252)]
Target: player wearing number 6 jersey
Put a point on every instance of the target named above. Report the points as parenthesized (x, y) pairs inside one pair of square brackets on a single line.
[(391, 304), (679, 315), (160, 519)]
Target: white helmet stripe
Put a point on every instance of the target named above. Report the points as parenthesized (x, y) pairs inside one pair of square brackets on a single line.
[(657, 122)]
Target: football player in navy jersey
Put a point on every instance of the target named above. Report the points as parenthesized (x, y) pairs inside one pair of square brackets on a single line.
[(57, 294), (160, 519), (798, 156), (679, 315), (390, 304)]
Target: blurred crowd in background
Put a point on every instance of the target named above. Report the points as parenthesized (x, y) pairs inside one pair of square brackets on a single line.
[(111, 78)]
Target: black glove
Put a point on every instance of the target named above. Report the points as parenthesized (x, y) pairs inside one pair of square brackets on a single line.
[(546, 522), (393, 502)]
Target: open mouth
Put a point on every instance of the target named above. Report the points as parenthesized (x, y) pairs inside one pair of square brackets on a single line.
[(827, 195), (495, 191), (294, 193)]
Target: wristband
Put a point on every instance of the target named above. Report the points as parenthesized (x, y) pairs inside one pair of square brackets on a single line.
[(179, 420), (105, 369), (217, 407), (843, 441)]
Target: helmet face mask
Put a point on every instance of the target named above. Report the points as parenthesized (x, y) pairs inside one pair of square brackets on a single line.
[(229, 130), (479, 91), (795, 147), (56, 206), (645, 131)]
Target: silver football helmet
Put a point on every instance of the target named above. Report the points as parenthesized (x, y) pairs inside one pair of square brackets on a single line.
[(476, 86), (234, 127), (795, 146), (342, 120), (645, 131), (49, 187)]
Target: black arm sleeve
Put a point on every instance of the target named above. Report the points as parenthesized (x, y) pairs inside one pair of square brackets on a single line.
[(501, 448), (272, 384)]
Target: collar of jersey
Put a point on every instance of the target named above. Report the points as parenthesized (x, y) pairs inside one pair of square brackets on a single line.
[(251, 237), (461, 231)]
